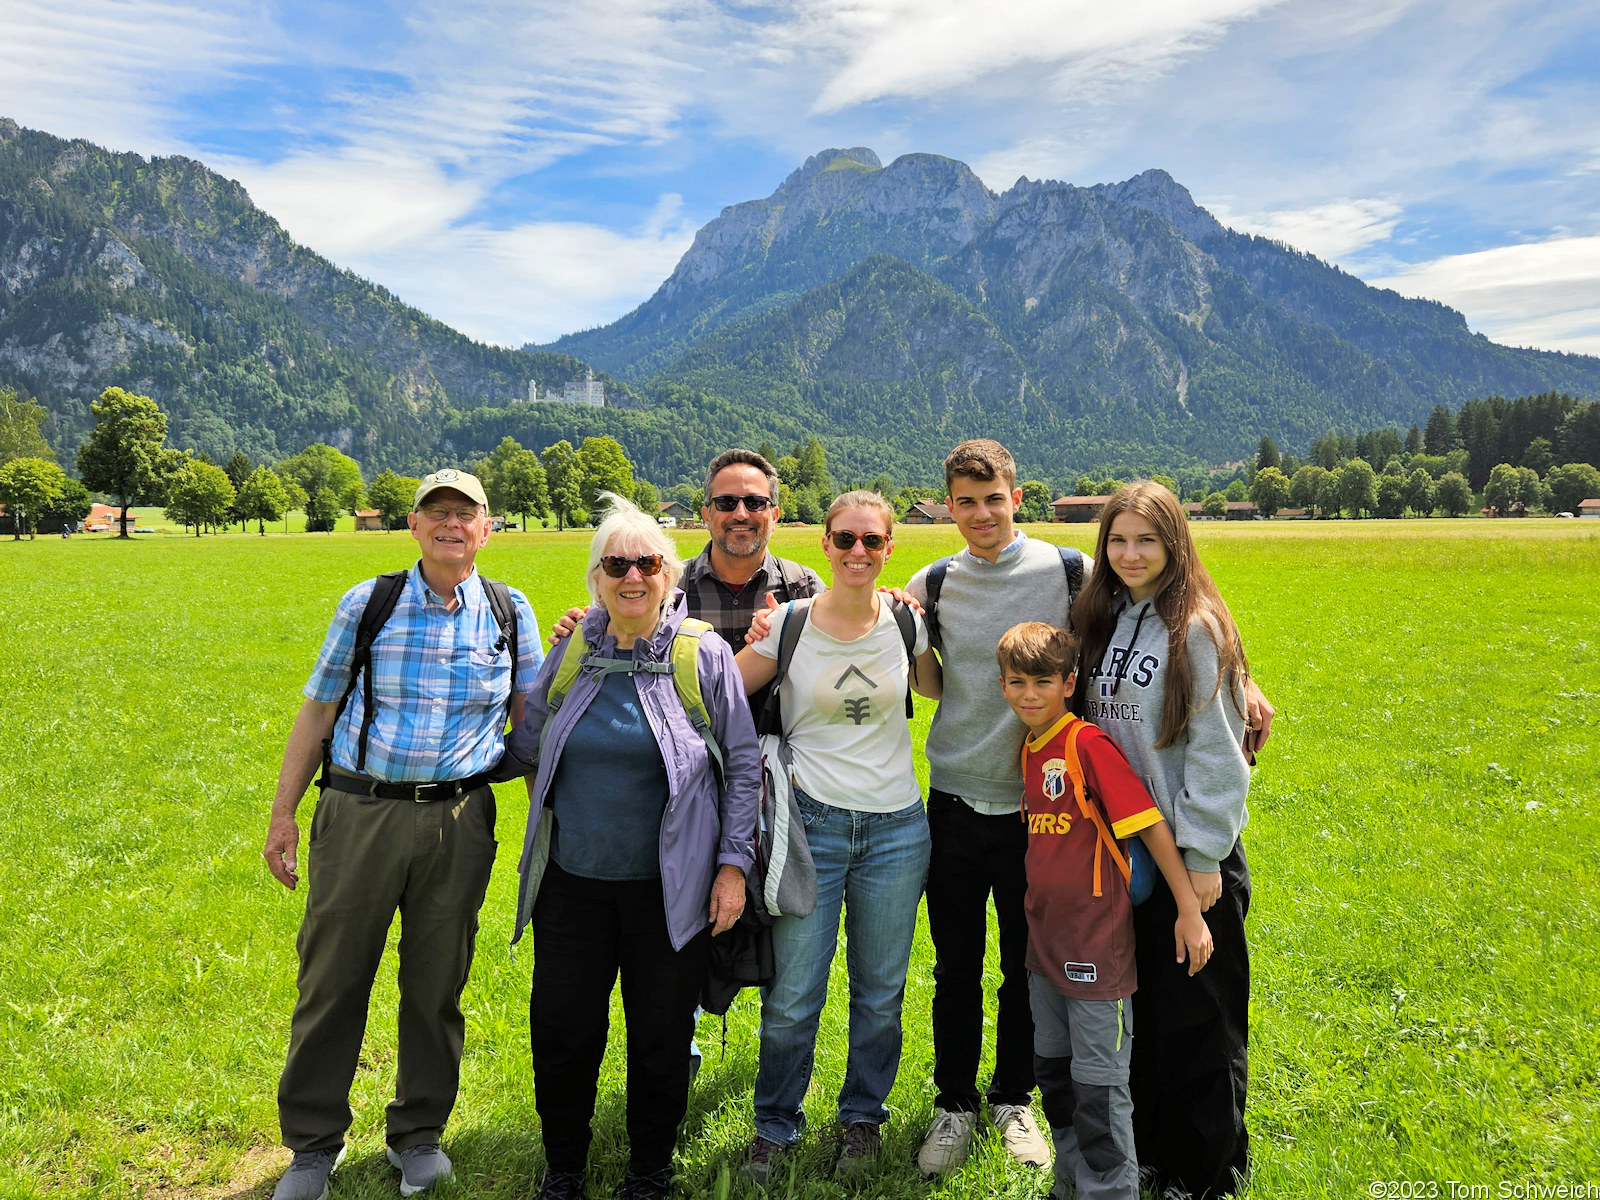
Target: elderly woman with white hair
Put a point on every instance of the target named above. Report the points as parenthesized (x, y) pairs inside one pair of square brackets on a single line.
[(636, 850)]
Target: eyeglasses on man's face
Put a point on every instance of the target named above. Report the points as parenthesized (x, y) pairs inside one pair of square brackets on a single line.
[(752, 504), (466, 513)]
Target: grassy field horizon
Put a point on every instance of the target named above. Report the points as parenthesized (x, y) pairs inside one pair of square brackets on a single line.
[(1422, 844)]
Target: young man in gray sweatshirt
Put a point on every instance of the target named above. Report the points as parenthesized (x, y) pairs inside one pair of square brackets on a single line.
[(1002, 577)]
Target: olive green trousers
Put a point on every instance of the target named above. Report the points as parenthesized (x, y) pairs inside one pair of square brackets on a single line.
[(368, 859)]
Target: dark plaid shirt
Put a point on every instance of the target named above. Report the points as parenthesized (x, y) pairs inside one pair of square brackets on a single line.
[(729, 611)]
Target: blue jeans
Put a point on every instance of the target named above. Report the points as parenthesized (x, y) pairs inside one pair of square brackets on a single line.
[(873, 866)]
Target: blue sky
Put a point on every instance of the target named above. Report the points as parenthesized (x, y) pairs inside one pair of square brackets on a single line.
[(524, 169)]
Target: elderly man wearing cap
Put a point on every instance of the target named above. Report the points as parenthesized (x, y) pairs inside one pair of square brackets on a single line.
[(406, 714)]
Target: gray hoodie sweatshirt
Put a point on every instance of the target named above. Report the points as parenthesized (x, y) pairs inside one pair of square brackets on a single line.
[(1200, 783)]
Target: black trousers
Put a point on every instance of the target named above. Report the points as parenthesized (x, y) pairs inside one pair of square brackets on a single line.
[(1191, 1056), (584, 932), (973, 857)]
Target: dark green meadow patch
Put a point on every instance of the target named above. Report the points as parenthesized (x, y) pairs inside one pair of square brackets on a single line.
[(1423, 844)]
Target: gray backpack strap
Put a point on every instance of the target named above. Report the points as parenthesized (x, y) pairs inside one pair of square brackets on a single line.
[(1072, 563), (934, 583)]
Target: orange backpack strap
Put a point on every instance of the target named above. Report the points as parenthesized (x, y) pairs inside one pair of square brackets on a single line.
[(1092, 810)]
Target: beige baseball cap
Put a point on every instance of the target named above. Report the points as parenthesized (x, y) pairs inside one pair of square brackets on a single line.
[(461, 481)]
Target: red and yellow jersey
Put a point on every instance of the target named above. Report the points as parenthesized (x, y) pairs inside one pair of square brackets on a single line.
[(1080, 920)]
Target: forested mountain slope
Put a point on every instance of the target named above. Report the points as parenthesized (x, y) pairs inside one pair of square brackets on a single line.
[(161, 276)]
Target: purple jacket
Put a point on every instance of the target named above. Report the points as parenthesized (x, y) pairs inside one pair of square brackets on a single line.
[(704, 826)]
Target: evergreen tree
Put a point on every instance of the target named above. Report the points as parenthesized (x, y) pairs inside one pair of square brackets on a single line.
[(1440, 437), (1267, 455), (1539, 456), (123, 455), (238, 469), (1414, 440)]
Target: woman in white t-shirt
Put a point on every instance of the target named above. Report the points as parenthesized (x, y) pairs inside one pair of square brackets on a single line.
[(844, 719)]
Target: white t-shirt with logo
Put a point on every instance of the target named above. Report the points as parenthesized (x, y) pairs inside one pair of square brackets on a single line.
[(844, 713)]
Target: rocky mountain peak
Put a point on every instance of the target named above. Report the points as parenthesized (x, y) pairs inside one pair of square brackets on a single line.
[(1158, 192), (857, 158)]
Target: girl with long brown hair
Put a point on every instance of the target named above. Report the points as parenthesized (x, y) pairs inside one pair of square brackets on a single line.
[(1164, 675)]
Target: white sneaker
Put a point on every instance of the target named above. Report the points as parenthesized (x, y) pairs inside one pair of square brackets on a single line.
[(1019, 1134), (948, 1141)]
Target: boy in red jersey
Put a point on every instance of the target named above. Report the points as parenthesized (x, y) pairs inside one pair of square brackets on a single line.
[(1081, 799)]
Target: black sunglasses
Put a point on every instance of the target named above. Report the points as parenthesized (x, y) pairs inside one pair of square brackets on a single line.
[(752, 504), (616, 566), (843, 539)]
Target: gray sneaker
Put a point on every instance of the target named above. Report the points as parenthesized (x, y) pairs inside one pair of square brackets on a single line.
[(307, 1176), (420, 1167)]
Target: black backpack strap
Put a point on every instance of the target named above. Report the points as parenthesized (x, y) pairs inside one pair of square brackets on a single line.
[(386, 591), (788, 638), (934, 584), (505, 616), (1072, 563), (907, 621)]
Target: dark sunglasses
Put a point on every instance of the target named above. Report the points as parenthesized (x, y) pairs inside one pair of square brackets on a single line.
[(616, 566), (753, 504), (843, 539)]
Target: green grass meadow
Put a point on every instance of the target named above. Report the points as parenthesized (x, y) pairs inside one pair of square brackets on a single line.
[(1425, 929)]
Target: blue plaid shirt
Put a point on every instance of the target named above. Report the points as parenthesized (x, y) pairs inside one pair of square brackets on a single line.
[(439, 683)]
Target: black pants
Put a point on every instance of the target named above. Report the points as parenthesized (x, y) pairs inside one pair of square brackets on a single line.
[(973, 857), (1191, 1057), (584, 932)]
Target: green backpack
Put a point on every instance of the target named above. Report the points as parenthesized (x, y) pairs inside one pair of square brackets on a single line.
[(683, 664)]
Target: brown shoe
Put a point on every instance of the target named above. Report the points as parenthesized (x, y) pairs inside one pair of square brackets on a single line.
[(761, 1160), (858, 1150)]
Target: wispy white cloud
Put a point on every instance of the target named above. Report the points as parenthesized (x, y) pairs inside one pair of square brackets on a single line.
[(912, 48), (113, 70), (534, 281), (357, 202), (1331, 231), (1544, 294)]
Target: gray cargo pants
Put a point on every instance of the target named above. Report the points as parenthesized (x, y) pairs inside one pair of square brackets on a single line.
[(370, 858), (1082, 1049)]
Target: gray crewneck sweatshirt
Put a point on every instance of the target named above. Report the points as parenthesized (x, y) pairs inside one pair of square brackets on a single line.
[(975, 741), (1200, 783)]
